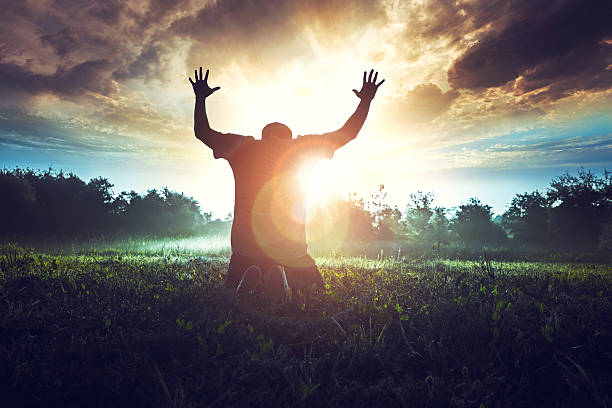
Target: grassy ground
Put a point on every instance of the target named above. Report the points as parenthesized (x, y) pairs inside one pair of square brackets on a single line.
[(155, 328)]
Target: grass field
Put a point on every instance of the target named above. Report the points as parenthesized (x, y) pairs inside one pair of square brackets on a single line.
[(151, 326)]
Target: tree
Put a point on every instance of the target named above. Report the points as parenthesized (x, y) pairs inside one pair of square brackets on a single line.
[(474, 225), (55, 205), (387, 221), (19, 211), (92, 207), (579, 207), (605, 238), (183, 213), (418, 214), (438, 232), (342, 220), (527, 219), (389, 225)]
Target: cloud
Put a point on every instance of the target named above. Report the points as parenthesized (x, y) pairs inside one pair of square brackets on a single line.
[(69, 48), (569, 146), (80, 70), (47, 47), (558, 47), (265, 35), (91, 76), (63, 41), (427, 101), (572, 151), (150, 60), (421, 104), (23, 131), (107, 66)]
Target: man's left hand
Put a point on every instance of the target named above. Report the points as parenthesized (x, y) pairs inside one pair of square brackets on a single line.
[(369, 86)]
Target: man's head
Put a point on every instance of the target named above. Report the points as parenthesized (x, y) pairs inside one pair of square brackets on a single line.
[(276, 131)]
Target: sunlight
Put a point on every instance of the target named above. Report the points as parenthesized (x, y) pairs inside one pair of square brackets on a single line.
[(305, 103), (320, 182)]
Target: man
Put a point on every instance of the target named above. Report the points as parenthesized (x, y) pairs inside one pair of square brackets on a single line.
[(268, 231)]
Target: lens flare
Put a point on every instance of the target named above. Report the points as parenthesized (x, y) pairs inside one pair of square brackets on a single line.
[(328, 224)]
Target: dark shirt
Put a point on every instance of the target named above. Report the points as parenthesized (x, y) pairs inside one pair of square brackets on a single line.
[(270, 200)]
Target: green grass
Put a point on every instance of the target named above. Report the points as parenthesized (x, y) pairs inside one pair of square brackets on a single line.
[(152, 326)]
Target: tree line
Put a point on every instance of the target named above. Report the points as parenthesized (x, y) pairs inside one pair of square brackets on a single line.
[(573, 214), (58, 205)]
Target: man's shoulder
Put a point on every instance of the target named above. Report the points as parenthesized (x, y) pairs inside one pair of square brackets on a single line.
[(317, 145), (229, 144), (244, 139), (307, 136)]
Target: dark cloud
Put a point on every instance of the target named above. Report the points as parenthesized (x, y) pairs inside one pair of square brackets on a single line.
[(268, 33), (160, 13), (108, 11), (62, 42), (148, 61), (450, 22), (556, 44), (244, 20), (87, 76), (66, 47)]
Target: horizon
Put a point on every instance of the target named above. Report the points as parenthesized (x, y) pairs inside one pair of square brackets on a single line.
[(402, 206), (480, 100)]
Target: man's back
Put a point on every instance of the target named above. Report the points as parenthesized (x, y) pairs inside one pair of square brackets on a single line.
[(270, 202)]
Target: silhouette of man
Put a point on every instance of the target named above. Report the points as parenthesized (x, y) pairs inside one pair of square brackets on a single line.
[(268, 231)]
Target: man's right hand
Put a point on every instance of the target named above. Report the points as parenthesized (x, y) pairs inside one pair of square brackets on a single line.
[(200, 86)]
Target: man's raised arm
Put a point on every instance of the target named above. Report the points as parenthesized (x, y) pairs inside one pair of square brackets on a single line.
[(203, 131), (353, 125)]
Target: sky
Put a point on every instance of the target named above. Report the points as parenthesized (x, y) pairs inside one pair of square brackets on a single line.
[(482, 98)]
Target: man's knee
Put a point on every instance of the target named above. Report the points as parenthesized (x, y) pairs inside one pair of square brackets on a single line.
[(304, 276), (235, 269)]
